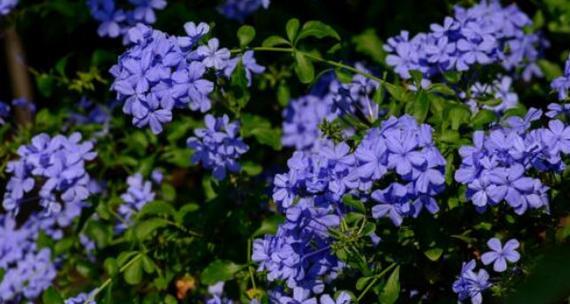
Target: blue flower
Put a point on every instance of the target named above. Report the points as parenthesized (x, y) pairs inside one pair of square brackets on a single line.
[(481, 34), (499, 255), (6, 6), (161, 72), (342, 298), (194, 33), (471, 284), (241, 9), (562, 83), (80, 299), (138, 194), (212, 56), (217, 146)]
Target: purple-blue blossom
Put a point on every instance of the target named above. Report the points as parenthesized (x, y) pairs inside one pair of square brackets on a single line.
[(162, 72), (498, 166), (81, 298), (240, 9), (403, 146), (249, 63), (25, 104), (562, 84), (500, 255), (486, 33), (218, 146), (342, 298), (556, 109), (471, 284), (115, 22), (56, 165), (4, 112), (499, 90), (6, 6), (138, 194)]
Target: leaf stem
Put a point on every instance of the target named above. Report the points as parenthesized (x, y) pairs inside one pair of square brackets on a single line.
[(110, 279), (315, 58), (376, 278)]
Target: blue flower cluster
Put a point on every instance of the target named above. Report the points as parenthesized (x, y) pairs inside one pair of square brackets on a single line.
[(486, 33), (241, 9), (139, 193), (562, 84), (355, 98), (499, 94), (556, 109), (6, 6), (218, 146), (217, 291), (328, 101), (91, 113), (27, 270), (498, 165), (400, 144), (300, 252), (301, 120), (470, 284), (59, 162), (80, 299), (162, 72), (116, 21), (310, 195), (4, 112)]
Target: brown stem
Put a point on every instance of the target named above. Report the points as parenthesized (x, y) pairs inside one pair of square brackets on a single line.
[(19, 77)]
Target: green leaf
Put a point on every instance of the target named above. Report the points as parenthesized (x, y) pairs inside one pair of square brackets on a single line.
[(369, 44), (268, 226), (391, 290), (459, 115), (61, 65), (292, 28), (245, 35), (168, 192), (550, 70), (283, 94), (433, 254), (134, 272), (251, 168), (144, 229), (318, 30), (238, 95), (260, 128), (304, 68), (483, 118), (440, 88), (148, 264), (219, 271), (188, 208), (157, 208), (362, 282), (51, 296), (269, 137), (398, 93), (452, 76), (274, 40), (354, 203), (420, 107), (45, 84), (111, 266)]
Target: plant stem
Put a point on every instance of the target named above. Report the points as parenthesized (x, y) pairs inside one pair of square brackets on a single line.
[(376, 278), (249, 267), (315, 58), (109, 280)]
